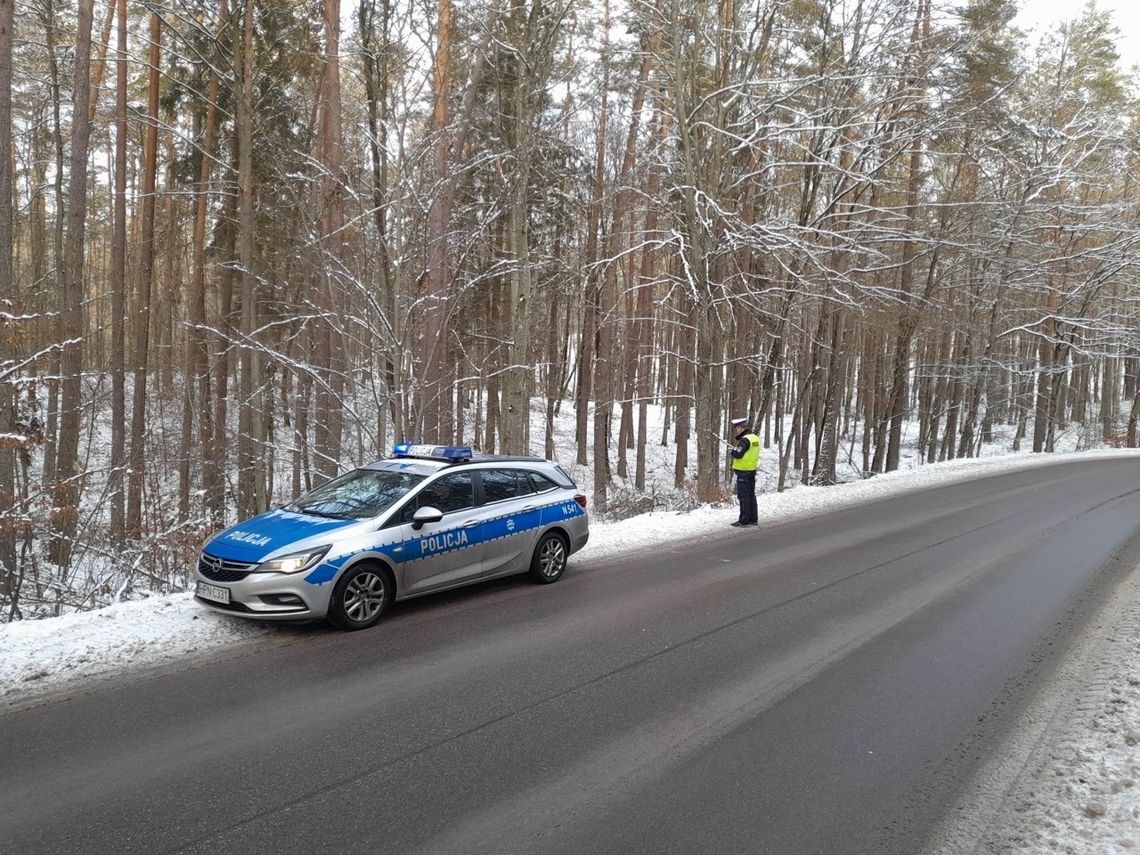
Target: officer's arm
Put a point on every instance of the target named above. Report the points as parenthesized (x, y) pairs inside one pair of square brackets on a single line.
[(741, 448)]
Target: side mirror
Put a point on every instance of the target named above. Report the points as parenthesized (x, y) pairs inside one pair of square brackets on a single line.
[(426, 515)]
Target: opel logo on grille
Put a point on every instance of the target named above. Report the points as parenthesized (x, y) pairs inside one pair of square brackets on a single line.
[(211, 561)]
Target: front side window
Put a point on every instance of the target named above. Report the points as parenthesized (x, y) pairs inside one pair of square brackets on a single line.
[(359, 494), (450, 493)]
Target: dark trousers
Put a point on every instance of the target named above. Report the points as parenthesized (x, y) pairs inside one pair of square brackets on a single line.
[(746, 495)]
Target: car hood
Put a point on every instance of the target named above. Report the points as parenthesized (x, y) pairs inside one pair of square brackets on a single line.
[(258, 538)]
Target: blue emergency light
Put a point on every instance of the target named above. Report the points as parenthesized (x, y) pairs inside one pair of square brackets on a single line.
[(450, 453)]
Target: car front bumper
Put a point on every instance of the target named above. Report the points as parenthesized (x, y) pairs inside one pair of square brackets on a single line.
[(265, 596)]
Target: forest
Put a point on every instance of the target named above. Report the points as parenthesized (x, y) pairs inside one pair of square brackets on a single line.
[(247, 244)]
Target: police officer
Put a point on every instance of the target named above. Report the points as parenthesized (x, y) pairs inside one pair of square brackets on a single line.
[(745, 458)]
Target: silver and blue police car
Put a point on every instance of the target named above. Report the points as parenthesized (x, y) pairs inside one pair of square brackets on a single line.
[(426, 519)]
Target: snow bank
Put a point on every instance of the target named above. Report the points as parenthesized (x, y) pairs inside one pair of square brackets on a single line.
[(37, 656), (799, 501), (1082, 795)]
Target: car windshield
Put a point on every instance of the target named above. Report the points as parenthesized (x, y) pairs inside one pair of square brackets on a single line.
[(359, 494)]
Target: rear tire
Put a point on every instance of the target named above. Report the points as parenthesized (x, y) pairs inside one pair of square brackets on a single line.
[(361, 595), (549, 560)]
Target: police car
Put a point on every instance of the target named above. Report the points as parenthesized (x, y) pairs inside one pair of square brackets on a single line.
[(426, 519)]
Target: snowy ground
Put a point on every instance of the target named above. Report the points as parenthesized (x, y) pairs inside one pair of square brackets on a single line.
[(1076, 789)]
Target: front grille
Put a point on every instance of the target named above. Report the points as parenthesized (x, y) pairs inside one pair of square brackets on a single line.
[(231, 607), (219, 570)]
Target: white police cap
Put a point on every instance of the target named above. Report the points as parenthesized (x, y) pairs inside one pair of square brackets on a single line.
[(740, 421)]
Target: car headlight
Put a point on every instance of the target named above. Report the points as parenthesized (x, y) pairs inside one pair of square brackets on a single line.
[(296, 562)]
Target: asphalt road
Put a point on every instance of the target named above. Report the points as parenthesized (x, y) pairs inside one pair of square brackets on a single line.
[(819, 686)]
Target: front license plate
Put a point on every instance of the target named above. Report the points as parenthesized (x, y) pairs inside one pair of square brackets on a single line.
[(213, 592)]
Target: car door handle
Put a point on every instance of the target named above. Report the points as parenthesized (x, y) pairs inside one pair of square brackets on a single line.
[(471, 523), (529, 507)]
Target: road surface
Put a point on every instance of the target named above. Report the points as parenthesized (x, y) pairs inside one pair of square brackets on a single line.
[(819, 686)]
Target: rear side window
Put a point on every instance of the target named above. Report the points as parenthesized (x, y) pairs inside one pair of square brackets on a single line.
[(541, 482), (501, 484)]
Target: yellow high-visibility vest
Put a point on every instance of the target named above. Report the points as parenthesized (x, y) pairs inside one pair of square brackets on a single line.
[(751, 458)]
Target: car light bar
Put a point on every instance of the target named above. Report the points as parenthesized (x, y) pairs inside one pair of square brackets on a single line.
[(450, 453)]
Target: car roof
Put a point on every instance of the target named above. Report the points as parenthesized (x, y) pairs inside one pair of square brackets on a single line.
[(429, 466), (505, 458), (418, 465)]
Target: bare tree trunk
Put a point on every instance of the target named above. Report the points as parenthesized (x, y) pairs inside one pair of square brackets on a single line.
[(52, 439), (1043, 408), (596, 286), (869, 386), (167, 291), (970, 419), (376, 73), (938, 398), (645, 312), (518, 377), (135, 478), (605, 380), (66, 487), (591, 351), (1108, 399), (437, 275), (805, 391), (533, 46), (197, 374), (683, 338), (331, 361), (100, 61), (1133, 419), (9, 441), (907, 322), (216, 492), (585, 360), (954, 406), (825, 462), (119, 290), (553, 367), (250, 482)]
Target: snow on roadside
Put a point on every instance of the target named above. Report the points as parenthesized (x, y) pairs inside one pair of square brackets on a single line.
[(1084, 797), (1067, 777), (800, 501), (39, 656)]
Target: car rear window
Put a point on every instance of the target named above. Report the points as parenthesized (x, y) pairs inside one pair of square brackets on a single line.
[(541, 482)]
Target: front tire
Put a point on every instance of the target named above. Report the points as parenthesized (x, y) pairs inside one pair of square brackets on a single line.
[(360, 597), (549, 560)]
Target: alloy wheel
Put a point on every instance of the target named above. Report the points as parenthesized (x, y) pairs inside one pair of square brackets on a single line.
[(552, 558), (364, 596)]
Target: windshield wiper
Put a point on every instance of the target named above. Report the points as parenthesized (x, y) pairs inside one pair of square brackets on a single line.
[(302, 510)]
